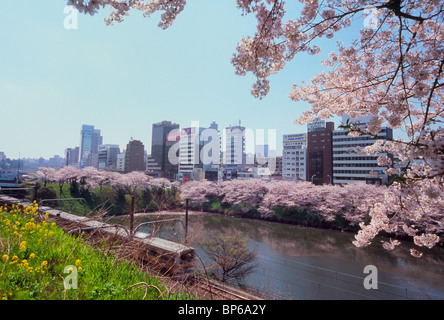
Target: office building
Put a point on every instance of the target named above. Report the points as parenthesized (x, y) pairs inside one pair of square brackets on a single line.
[(294, 157), (234, 164), (108, 156), (90, 139), (352, 167), (164, 135), (120, 166), (190, 146), (72, 156), (320, 152), (277, 174), (135, 156), (212, 156)]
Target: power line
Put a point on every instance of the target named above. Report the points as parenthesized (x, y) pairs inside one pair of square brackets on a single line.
[(404, 289)]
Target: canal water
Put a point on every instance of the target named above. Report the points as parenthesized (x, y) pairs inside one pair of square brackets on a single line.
[(296, 262)]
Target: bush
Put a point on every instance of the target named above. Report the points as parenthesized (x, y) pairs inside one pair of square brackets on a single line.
[(46, 193)]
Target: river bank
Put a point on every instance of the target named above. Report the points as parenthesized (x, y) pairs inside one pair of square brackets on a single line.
[(353, 229), (298, 262)]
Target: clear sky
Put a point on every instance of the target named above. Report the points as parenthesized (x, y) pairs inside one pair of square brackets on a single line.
[(125, 77)]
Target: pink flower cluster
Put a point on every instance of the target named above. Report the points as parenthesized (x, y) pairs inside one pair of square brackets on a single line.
[(121, 8), (95, 178), (356, 203)]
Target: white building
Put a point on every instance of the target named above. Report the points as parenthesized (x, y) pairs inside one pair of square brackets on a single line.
[(121, 161), (234, 155), (352, 167), (190, 145), (294, 156), (108, 156)]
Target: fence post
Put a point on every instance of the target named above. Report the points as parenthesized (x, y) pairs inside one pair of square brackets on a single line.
[(186, 219), (132, 216)]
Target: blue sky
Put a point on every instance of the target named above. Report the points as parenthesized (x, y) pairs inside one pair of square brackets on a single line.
[(125, 77)]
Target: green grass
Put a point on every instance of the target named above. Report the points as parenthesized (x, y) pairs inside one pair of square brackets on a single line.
[(38, 260)]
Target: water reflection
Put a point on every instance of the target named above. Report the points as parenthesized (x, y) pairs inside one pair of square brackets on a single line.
[(306, 263)]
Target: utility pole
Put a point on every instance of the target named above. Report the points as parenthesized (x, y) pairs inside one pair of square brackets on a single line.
[(18, 168), (186, 218)]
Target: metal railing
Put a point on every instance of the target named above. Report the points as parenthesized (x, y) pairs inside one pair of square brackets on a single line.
[(14, 189), (161, 221)]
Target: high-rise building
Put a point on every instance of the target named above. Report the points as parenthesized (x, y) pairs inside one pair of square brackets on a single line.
[(190, 145), (234, 155), (351, 167), (294, 157), (135, 156), (211, 157), (277, 173), (164, 135), (320, 152), (120, 166), (90, 139), (108, 156), (72, 156)]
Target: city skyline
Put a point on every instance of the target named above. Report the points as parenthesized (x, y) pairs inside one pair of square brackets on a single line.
[(125, 77), (259, 137)]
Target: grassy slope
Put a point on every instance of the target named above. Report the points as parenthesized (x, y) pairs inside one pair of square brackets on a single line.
[(35, 257)]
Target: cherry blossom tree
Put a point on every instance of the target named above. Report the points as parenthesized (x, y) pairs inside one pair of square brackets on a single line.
[(288, 194), (67, 174), (246, 194), (131, 182), (351, 201), (45, 174), (392, 71), (91, 177), (64, 175), (198, 192)]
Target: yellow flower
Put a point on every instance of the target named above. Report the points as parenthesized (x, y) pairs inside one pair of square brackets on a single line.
[(23, 246), (44, 264), (77, 262), (14, 259), (32, 255), (5, 257)]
